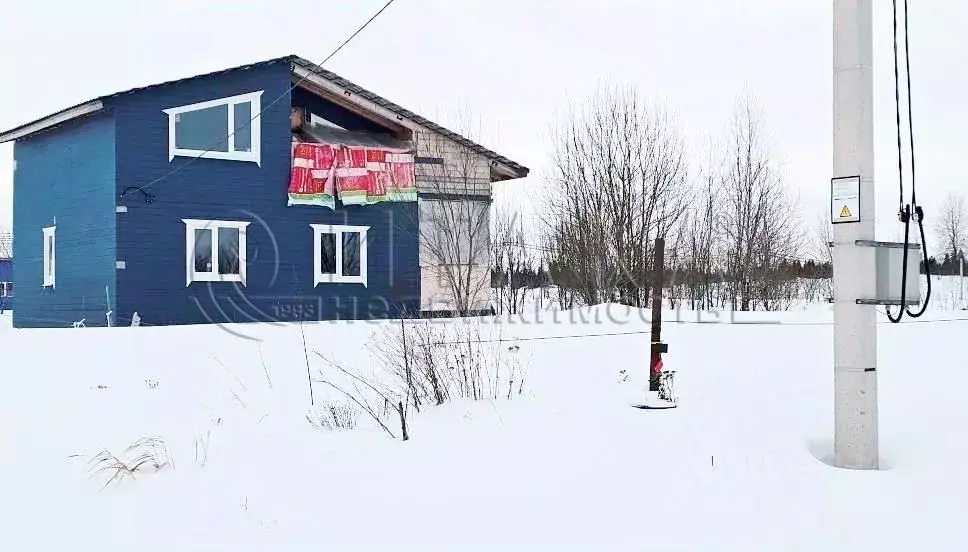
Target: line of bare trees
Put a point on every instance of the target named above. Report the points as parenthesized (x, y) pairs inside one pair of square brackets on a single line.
[(621, 179)]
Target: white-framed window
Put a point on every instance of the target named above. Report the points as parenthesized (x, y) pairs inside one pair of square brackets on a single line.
[(6, 289), (50, 256), (214, 251), (226, 128), (339, 254)]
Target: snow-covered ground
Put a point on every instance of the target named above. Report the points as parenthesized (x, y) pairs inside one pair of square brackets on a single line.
[(566, 465)]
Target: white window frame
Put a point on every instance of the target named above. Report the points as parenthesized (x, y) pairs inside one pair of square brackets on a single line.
[(338, 278), (191, 275), (50, 254), (4, 286), (255, 127)]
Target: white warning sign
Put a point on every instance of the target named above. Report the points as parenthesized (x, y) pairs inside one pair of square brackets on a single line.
[(845, 199)]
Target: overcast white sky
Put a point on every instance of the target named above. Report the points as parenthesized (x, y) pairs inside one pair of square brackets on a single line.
[(516, 65)]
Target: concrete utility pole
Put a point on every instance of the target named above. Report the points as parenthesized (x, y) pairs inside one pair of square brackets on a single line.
[(855, 329)]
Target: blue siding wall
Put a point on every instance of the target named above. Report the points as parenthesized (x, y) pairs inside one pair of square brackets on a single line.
[(151, 236), (65, 176)]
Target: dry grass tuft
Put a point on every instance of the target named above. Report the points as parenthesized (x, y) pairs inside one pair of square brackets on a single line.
[(146, 455), (334, 416)]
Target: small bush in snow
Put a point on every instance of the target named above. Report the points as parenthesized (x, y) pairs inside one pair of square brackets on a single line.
[(437, 361), (425, 363), (334, 416)]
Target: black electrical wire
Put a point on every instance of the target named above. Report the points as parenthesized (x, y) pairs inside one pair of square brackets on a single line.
[(919, 213), (913, 209), (903, 212), (897, 112), (905, 217)]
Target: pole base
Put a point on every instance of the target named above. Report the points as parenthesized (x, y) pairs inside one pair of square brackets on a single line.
[(652, 401)]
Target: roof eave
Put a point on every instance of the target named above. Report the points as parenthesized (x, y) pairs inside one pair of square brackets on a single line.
[(53, 120), (505, 172), (376, 104)]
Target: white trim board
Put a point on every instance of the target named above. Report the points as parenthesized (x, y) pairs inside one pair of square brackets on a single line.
[(52, 120)]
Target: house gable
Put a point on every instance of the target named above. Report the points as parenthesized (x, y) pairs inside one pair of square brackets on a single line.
[(64, 187)]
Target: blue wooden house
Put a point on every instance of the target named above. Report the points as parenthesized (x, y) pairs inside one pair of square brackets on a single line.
[(170, 201)]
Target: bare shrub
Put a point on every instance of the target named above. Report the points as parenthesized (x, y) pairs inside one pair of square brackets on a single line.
[(423, 363), (371, 395), (443, 360)]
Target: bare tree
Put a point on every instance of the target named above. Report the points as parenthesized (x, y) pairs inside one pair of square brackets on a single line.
[(454, 222), (759, 222), (819, 286), (618, 181), (821, 239), (952, 225), (700, 237), (513, 262)]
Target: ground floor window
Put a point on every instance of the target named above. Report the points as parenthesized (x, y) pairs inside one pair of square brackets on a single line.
[(215, 251), (49, 257), (339, 254), (6, 289)]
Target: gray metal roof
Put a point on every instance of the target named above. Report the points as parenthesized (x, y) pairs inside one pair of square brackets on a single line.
[(406, 113), (95, 105)]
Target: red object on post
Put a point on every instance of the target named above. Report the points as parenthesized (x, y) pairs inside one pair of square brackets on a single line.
[(656, 365)]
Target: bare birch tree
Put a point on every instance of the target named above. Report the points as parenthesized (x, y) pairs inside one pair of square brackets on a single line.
[(952, 225), (759, 221), (618, 181)]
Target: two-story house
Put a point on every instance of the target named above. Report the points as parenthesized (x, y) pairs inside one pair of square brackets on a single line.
[(276, 191)]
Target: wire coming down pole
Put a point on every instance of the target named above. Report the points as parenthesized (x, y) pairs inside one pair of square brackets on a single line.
[(854, 267)]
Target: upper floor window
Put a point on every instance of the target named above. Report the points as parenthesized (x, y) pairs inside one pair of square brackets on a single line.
[(49, 256), (215, 251), (226, 128), (339, 254), (6, 289)]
